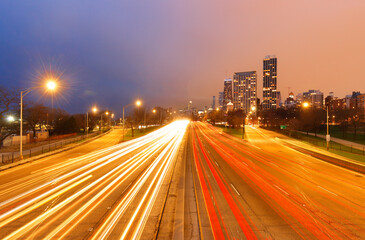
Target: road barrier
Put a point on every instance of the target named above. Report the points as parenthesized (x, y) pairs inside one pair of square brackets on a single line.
[(11, 157)]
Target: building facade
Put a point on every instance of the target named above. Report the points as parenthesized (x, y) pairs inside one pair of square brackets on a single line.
[(245, 91), (269, 83), (227, 92), (220, 99)]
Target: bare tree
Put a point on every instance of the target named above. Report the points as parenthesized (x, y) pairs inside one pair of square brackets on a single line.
[(8, 105), (35, 116)]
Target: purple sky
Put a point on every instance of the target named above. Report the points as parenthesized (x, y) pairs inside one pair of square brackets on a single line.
[(169, 52)]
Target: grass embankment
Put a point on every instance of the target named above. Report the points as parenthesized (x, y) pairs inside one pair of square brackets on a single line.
[(236, 132), (336, 148), (138, 132), (337, 132), (339, 149)]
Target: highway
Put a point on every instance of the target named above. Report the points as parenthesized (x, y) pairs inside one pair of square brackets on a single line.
[(183, 181), (100, 190), (262, 189)]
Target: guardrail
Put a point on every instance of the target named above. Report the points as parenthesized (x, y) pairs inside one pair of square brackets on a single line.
[(11, 157)]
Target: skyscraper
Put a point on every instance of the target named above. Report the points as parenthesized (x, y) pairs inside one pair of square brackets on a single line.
[(220, 99), (244, 90), (227, 92), (213, 104), (269, 83)]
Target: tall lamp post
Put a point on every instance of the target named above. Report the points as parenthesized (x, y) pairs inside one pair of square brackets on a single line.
[(243, 125), (328, 137), (138, 103), (94, 110), (51, 85)]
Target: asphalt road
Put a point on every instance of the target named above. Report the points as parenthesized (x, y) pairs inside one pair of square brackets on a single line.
[(262, 189), (182, 182), (96, 191)]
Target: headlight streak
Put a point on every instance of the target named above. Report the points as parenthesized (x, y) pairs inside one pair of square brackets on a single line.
[(164, 168), (108, 225), (132, 167), (25, 228), (118, 154), (167, 138)]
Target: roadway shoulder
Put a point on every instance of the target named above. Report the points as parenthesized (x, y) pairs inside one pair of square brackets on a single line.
[(41, 156)]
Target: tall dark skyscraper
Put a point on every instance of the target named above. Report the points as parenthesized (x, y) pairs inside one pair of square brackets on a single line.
[(244, 90), (269, 83), (220, 99), (227, 92)]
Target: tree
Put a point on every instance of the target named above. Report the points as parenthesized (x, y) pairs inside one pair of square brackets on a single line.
[(66, 125), (35, 116), (235, 118), (9, 105)]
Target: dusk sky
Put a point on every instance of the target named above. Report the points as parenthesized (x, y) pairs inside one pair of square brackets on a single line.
[(170, 52)]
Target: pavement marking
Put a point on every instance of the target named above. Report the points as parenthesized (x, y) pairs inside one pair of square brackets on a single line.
[(244, 164), (274, 164), (327, 190), (235, 190), (281, 189), (256, 146)]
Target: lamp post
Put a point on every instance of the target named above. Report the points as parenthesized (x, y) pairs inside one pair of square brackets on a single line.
[(138, 103), (94, 110), (51, 85), (243, 125), (328, 137)]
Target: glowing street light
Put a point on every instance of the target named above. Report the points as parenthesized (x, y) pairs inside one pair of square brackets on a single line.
[(94, 110), (51, 86), (10, 119), (328, 137), (137, 103), (305, 104), (154, 110)]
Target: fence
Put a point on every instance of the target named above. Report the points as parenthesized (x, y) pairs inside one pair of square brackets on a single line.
[(322, 143), (11, 157)]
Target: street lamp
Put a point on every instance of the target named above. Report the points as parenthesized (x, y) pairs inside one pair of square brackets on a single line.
[(51, 86), (305, 104), (94, 110), (10, 119), (328, 137), (137, 103)]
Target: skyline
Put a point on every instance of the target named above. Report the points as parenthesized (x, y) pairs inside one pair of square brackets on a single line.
[(130, 50)]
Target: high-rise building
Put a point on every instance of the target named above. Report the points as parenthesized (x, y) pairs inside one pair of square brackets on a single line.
[(314, 98), (244, 90), (278, 99), (269, 83), (213, 104), (190, 105), (227, 92), (220, 99)]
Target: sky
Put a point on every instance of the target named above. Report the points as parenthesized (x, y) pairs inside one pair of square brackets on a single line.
[(168, 52)]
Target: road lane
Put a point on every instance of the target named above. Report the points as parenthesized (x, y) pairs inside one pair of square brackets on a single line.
[(261, 189), (108, 193)]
